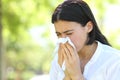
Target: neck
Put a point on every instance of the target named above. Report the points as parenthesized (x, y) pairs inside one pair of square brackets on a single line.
[(87, 51)]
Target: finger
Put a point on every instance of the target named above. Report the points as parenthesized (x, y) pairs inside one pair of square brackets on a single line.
[(60, 55), (65, 58), (71, 49), (66, 51)]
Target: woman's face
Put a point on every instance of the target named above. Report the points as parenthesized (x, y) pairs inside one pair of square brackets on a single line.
[(75, 31)]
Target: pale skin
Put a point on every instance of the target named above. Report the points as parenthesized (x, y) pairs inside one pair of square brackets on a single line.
[(77, 58)]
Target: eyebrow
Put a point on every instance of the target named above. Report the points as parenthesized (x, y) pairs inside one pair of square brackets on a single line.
[(65, 31)]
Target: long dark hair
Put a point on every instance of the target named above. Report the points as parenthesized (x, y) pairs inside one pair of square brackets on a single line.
[(79, 11)]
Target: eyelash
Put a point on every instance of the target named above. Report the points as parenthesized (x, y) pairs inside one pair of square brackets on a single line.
[(66, 34), (69, 33), (58, 34)]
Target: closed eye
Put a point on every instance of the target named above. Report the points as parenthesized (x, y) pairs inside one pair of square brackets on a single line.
[(68, 33), (58, 34)]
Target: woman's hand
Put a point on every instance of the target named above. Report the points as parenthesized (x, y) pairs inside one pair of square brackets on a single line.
[(72, 61), (61, 59)]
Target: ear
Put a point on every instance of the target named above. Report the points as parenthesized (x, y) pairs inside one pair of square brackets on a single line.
[(89, 26)]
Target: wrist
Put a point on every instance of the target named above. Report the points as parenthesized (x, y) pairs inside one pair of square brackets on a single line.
[(78, 78)]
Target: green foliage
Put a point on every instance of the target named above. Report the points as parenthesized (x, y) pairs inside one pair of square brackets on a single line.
[(114, 38), (24, 57)]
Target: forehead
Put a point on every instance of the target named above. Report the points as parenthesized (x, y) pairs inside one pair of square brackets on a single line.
[(66, 25)]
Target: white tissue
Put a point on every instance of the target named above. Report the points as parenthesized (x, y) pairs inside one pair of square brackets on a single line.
[(64, 40)]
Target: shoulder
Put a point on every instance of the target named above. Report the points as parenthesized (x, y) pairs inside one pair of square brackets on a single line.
[(108, 54), (110, 51), (111, 55)]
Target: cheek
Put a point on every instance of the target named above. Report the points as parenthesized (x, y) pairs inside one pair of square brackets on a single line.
[(78, 40)]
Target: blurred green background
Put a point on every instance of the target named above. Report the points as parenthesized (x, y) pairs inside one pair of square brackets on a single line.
[(27, 38)]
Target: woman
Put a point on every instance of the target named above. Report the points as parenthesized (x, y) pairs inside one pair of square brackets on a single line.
[(92, 58)]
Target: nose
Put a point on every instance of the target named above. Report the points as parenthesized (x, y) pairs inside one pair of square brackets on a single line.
[(63, 36)]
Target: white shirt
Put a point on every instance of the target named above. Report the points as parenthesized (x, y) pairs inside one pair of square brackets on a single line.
[(104, 65)]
